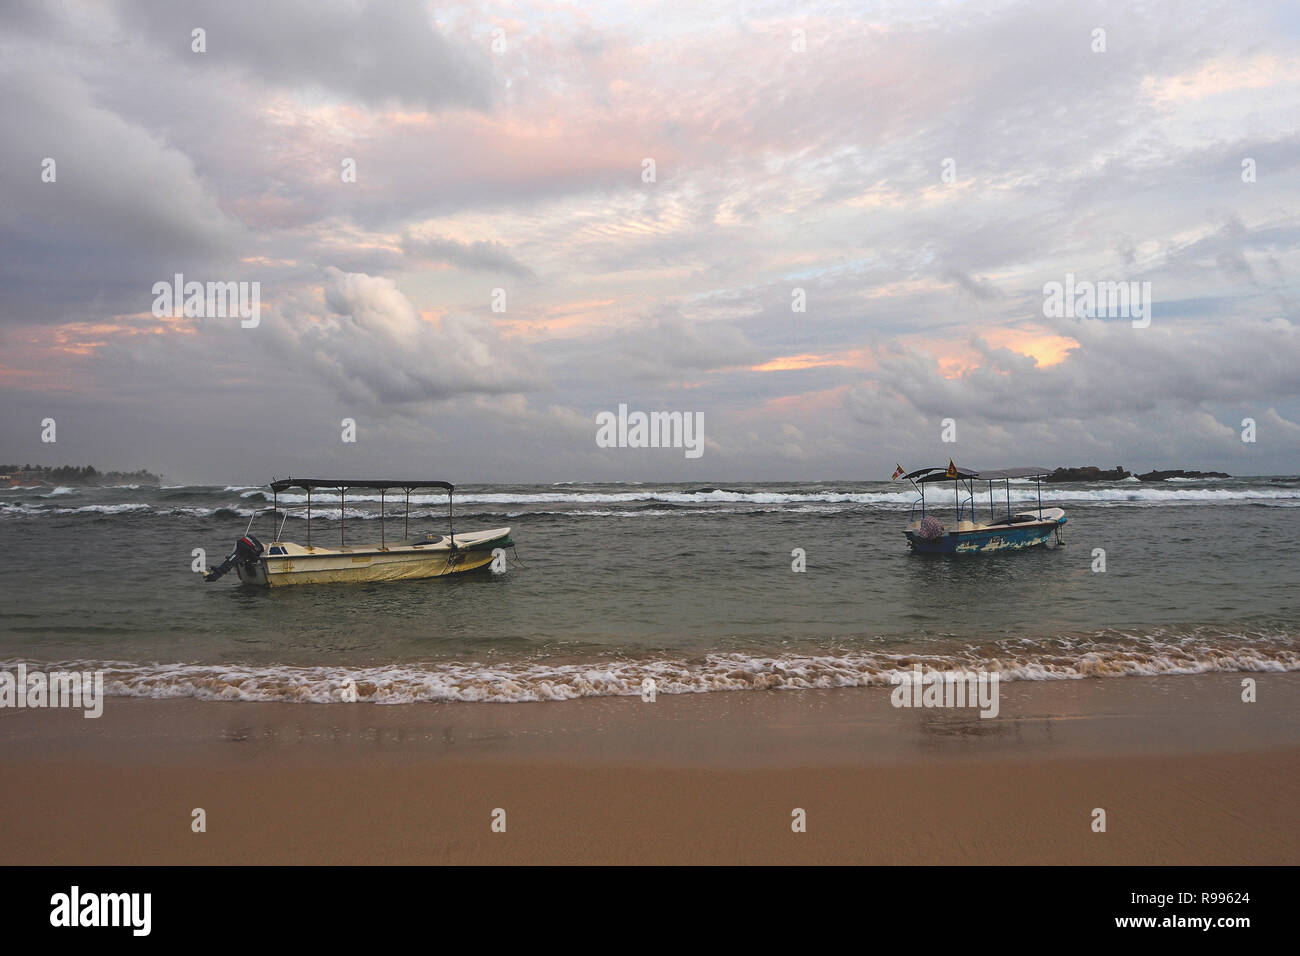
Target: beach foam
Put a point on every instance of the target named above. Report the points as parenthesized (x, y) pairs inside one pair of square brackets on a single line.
[(513, 682)]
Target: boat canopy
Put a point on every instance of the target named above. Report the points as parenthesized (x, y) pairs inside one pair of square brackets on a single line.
[(926, 475), (308, 483), (344, 485), (967, 477), (933, 474), (939, 474)]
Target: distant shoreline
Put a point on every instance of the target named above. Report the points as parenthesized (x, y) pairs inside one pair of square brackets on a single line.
[(15, 476)]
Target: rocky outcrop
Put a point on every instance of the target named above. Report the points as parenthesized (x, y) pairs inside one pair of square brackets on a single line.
[(1088, 473), (1165, 475), (1119, 473)]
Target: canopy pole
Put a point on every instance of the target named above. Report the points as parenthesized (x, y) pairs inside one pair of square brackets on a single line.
[(450, 525), (343, 503), (1038, 482), (406, 528), (275, 508), (1008, 483), (381, 520), (308, 517)]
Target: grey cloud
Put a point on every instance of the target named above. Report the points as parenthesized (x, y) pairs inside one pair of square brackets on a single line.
[(375, 348), (979, 288), (1118, 370), (126, 209), (379, 54), (822, 167), (671, 347), (482, 255)]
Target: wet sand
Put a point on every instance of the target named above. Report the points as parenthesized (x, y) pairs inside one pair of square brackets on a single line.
[(1185, 771)]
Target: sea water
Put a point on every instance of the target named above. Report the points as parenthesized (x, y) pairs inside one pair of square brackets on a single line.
[(691, 585)]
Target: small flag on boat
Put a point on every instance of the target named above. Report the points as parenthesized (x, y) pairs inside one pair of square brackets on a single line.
[(898, 473), (952, 470)]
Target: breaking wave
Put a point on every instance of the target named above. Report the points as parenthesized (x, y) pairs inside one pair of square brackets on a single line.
[(505, 682), (245, 502)]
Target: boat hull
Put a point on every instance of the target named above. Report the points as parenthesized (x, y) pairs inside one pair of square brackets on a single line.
[(299, 565), (982, 540)]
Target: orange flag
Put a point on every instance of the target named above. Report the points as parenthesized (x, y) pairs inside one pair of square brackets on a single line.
[(952, 470), (898, 473)]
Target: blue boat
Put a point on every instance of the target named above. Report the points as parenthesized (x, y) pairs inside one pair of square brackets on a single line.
[(971, 533)]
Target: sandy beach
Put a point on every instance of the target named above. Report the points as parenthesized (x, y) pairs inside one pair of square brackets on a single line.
[(1186, 773)]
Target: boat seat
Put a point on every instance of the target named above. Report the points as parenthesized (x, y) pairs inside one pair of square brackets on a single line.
[(413, 542), (1014, 519)]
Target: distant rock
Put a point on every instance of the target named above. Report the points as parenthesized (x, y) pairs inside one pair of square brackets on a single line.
[(1166, 475), (1089, 473), (1119, 473)]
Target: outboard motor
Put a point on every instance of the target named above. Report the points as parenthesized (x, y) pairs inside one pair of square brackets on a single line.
[(247, 550)]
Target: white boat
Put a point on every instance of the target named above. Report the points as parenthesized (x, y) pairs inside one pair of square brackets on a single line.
[(408, 558)]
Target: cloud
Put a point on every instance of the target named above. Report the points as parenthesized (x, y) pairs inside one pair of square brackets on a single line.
[(377, 54), (818, 170), (125, 209), (671, 347), (376, 348), (979, 288), (1115, 369), (482, 255)]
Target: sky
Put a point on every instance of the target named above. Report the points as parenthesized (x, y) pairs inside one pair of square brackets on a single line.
[(825, 228)]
